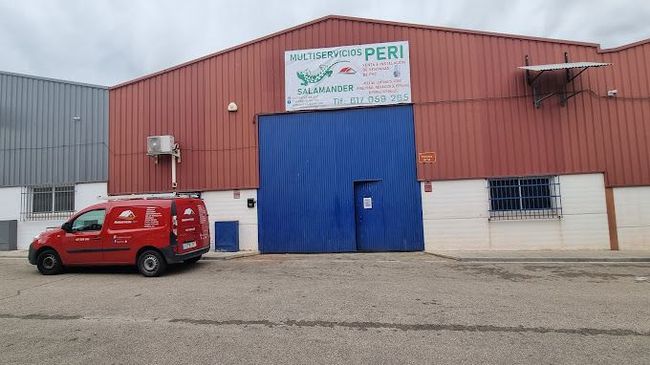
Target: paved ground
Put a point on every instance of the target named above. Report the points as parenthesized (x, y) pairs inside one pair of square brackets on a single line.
[(364, 308)]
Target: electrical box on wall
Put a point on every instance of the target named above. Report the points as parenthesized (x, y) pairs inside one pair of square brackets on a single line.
[(250, 202)]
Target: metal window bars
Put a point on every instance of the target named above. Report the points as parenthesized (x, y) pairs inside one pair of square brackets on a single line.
[(520, 198), (47, 202)]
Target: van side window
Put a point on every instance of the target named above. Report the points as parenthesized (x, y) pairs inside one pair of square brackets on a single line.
[(89, 221)]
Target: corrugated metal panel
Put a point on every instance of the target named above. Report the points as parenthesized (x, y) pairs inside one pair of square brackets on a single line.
[(41, 142), (564, 66), (306, 198), (472, 107), (499, 133)]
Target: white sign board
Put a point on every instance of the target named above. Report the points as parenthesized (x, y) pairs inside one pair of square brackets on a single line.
[(339, 77), (367, 203)]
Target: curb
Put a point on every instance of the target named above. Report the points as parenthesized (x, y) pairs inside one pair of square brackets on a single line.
[(15, 254), (230, 257), (445, 256), (557, 259), (542, 259)]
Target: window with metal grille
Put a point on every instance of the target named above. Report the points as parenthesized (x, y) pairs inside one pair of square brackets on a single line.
[(47, 202), (536, 197)]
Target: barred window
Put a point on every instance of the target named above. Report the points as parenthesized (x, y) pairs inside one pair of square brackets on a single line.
[(47, 202), (536, 197)]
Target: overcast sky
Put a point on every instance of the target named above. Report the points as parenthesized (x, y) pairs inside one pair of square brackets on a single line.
[(106, 42)]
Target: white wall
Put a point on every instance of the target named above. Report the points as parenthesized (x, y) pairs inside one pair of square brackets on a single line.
[(89, 194), (633, 217), (28, 229), (456, 216), (222, 206), (10, 198)]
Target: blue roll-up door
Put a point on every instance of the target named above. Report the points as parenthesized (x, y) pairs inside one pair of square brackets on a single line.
[(314, 166)]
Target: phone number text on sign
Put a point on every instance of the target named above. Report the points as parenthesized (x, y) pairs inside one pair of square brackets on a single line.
[(370, 74)]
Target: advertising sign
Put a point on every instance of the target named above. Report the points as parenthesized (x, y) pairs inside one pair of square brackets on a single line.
[(339, 77)]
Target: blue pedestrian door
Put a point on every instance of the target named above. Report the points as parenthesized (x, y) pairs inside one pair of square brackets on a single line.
[(369, 213), (316, 169), (226, 236)]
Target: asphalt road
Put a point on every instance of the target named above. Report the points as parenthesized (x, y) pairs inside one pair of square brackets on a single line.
[(349, 308)]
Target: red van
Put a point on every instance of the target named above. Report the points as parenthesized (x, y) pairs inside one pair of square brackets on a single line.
[(149, 233)]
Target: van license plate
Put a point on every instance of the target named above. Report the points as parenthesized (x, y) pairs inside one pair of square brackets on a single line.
[(189, 245)]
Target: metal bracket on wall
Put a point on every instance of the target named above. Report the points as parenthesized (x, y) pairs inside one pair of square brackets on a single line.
[(564, 94), (176, 158), (568, 67)]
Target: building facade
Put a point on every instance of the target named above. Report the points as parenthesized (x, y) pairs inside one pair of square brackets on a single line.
[(53, 153), (478, 154)]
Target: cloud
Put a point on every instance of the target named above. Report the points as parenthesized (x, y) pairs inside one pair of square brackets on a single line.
[(109, 41)]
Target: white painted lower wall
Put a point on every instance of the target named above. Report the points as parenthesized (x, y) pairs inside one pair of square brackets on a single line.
[(85, 194), (632, 206), (222, 206), (89, 194), (456, 216)]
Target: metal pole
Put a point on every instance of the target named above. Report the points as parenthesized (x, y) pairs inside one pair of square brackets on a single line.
[(174, 172)]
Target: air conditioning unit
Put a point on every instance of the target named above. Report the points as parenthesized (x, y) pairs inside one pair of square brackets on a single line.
[(160, 145)]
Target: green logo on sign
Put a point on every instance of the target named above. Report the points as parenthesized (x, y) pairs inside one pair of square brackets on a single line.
[(308, 77)]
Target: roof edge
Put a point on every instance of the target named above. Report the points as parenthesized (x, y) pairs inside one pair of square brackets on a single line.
[(50, 79), (465, 31), (625, 46), (374, 21)]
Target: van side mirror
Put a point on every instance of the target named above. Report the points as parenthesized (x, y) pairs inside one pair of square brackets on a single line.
[(67, 226)]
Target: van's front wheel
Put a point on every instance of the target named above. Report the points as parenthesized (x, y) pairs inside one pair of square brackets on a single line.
[(151, 263), (49, 263)]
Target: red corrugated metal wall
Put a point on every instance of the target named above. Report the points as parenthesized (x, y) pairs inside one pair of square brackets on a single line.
[(470, 102)]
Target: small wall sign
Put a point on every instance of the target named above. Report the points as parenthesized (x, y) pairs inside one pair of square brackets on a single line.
[(427, 157), (428, 187), (367, 203)]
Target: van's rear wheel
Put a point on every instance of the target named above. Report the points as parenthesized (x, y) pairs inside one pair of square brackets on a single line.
[(193, 260), (151, 263), (49, 263)]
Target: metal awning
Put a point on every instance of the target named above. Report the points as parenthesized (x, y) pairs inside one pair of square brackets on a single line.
[(566, 67), (563, 66)]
